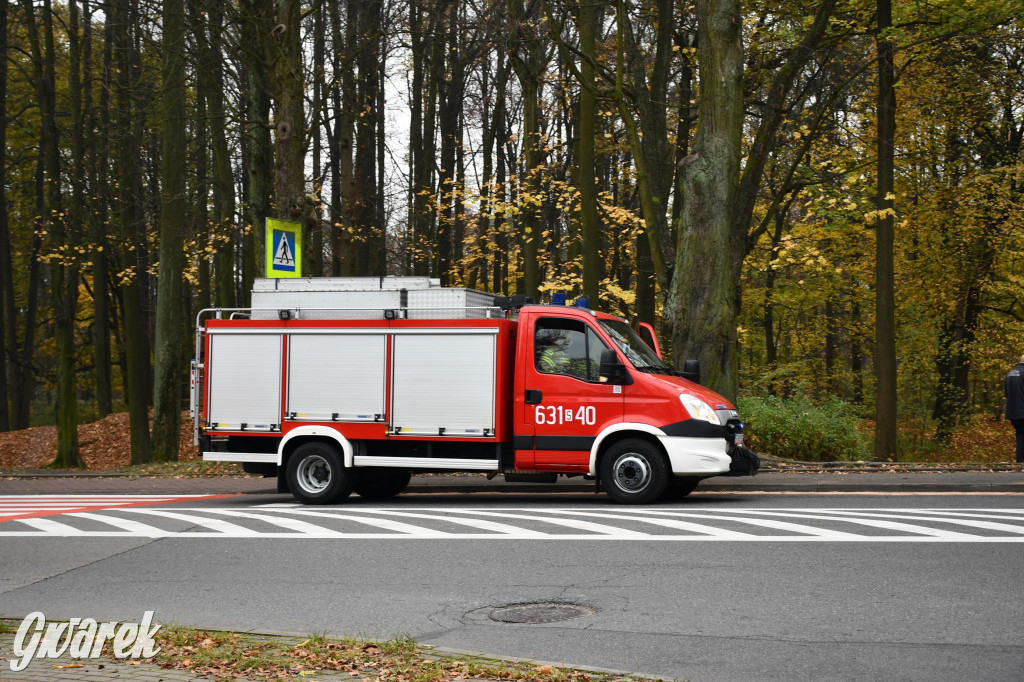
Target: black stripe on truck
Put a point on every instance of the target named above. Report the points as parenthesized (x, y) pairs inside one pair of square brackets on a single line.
[(694, 428), (565, 442)]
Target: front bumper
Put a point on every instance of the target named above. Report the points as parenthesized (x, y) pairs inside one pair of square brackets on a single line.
[(707, 457), (689, 456)]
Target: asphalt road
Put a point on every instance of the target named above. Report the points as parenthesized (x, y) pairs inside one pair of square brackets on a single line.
[(715, 587)]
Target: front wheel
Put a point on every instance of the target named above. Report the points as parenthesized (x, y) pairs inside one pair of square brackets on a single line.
[(634, 471), (317, 474)]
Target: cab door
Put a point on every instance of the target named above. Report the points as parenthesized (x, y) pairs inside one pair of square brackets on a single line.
[(566, 406)]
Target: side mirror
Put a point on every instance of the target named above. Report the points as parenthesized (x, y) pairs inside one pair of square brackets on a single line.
[(612, 370), (691, 371)]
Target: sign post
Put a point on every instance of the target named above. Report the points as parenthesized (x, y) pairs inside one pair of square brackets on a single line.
[(284, 248)]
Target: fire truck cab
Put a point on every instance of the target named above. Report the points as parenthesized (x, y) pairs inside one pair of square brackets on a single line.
[(350, 384)]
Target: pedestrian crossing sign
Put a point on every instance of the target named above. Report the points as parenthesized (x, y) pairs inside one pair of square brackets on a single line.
[(284, 248)]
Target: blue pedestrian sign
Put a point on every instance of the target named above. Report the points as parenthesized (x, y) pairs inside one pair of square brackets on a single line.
[(284, 248)]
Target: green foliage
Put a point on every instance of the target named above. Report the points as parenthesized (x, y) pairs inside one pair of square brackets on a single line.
[(798, 428)]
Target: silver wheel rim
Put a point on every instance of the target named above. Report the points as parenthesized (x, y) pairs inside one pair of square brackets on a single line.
[(631, 472), (314, 474)]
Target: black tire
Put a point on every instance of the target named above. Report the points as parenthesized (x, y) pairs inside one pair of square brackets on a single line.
[(634, 471), (317, 474), (678, 488), (380, 483)]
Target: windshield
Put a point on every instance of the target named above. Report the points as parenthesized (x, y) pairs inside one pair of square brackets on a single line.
[(636, 351)]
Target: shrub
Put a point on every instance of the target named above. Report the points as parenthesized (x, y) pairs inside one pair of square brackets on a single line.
[(797, 428)]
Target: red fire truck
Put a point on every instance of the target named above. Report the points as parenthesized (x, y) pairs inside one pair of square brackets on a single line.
[(338, 385)]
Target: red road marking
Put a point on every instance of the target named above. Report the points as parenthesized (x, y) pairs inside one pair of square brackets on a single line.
[(68, 504)]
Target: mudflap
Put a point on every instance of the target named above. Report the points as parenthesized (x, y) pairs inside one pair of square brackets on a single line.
[(745, 462)]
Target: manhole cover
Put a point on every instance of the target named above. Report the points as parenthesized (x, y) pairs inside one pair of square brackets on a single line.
[(544, 612)]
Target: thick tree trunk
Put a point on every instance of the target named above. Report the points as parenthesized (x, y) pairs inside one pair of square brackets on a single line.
[(100, 168), (6, 276), (447, 122), (211, 77), (370, 247), (170, 314), (63, 272), (528, 56), (885, 297), (136, 349), (702, 304), (287, 91), (257, 104), (590, 228)]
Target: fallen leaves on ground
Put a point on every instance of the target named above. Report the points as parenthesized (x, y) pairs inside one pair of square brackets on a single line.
[(232, 655), (105, 444)]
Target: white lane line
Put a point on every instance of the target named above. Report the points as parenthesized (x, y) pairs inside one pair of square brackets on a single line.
[(212, 524), (133, 527), (666, 523), (987, 525), (762, 523), (502, 529), (601, 529), (888, 525)]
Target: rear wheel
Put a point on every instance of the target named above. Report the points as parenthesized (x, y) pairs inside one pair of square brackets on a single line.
[(317, 474), (380, 484), (634, 471)]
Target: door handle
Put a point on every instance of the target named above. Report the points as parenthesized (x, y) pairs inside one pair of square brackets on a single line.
[(533, 396)]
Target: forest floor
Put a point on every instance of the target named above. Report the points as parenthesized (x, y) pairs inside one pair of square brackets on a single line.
[(104, 444)]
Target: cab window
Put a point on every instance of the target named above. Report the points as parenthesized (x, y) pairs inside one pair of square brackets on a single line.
[(567, 347)]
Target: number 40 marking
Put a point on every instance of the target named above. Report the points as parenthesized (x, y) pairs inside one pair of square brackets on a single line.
[(557, 414)]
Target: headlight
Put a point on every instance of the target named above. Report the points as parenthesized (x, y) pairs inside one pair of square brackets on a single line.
[(699, 409)]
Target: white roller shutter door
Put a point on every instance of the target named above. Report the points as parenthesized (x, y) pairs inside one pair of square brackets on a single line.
[(245, 381), (336, 376), (444, 382)]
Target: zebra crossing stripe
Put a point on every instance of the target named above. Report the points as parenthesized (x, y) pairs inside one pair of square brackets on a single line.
[(691, 524), (668, 523), (887, 525), (986, 525), (213, 524), (20, 507), (482, 524), (765, 523)]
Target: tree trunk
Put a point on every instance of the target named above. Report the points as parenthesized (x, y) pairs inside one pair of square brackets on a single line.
[(6, 276), (170, 315), (136, 349), (590, 228), (702, 305), (257, 104), (448, 115), (99, 167), (885, 297), (527, 53), (63, 272), (370, 247)]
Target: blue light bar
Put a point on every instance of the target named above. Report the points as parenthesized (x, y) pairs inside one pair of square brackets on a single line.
[(582, 302), (558, 298)]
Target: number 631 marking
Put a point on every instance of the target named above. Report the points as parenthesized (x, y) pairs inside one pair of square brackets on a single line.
[(557, 414)]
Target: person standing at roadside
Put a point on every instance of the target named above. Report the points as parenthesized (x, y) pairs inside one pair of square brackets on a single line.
[(1014, 390)]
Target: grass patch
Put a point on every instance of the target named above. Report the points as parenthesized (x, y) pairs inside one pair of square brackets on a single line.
[(193, 469), (226, 655)]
